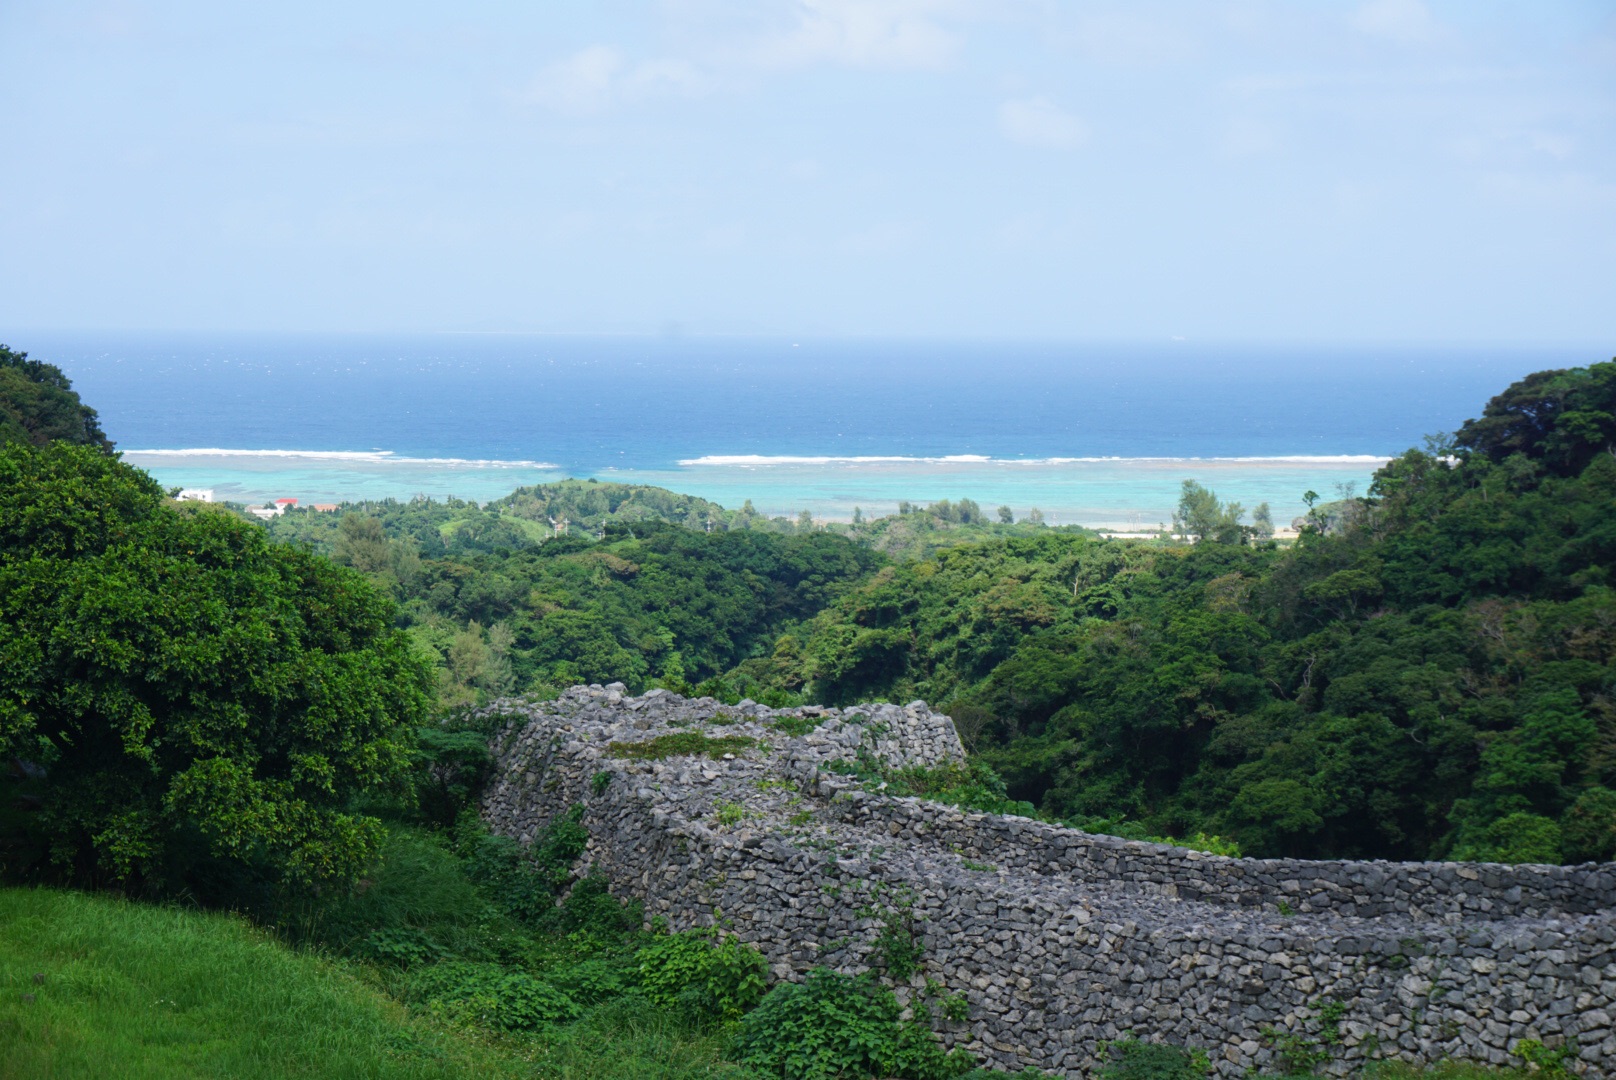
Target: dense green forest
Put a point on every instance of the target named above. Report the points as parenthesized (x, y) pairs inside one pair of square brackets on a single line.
[(1426, 673), (500, 612), (38, 405), (204, 710), (195, 714), (594, 582)]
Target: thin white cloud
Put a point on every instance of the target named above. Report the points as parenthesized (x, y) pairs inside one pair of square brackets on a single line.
[(862, 33), (731, 237), (1406, 22), (882, 238), (592, 80), (1037, 121), (1126, 39), (1246, 136), (580, 84)]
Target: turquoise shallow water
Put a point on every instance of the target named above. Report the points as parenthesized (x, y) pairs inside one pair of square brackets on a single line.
[(1123, 494), (1097, 433), (1127, 494)]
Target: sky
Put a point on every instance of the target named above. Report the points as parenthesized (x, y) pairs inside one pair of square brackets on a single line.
[(1397, 170)]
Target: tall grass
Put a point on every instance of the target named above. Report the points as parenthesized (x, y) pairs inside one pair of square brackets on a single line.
[(1455, 1070), (630, 1039), (136, 991)]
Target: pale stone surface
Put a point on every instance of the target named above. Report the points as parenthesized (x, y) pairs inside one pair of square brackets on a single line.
[(1057, 938)]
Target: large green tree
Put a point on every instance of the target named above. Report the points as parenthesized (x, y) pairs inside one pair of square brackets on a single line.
[(38, 405), (1561, 418), (196, 694), (1430, 671)]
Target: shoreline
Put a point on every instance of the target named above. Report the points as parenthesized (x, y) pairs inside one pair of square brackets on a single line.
[(1132, 495)]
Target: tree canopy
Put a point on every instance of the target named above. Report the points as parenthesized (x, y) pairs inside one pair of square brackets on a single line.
[(38, 405), (191, 690), (1429, 672), (1561, 419)]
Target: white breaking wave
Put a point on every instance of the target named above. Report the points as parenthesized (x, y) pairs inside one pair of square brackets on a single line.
[(373, 457), (762, 459), (979, 459)]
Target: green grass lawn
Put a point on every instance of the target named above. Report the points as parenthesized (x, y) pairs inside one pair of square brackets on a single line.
[(132, 991)]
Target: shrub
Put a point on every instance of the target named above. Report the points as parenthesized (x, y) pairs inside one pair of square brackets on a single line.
[(795, 725), (195, 692), (1136, 1060), (559, 846), (493, 996), (974, 786), (452, 766), (836, 1026), (1210, 843), (899, 945), (505, 873), (681, 742), (417, 906), (591, 914), (592, 981), (405, 946), (776, 698), (701, 977), (523, 883)]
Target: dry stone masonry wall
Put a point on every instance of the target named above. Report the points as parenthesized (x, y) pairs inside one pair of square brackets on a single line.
[(1056, 938)]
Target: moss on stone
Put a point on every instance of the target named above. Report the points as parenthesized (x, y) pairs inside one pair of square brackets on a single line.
[(678, 743)]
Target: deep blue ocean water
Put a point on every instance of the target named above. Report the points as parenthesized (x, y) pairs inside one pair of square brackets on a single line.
[(475, 415)]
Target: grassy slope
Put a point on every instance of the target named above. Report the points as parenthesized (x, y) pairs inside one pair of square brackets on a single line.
[(157, 992), (135, 991)]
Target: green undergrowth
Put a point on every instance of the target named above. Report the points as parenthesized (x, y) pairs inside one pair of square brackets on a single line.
[(976, 786), (455, 961), (833, 1025), (1137, 1059), (733, 688), (1458, 1070), (796, 725), (1442, 1070), (465, 930), (680, 743), (93, 987)]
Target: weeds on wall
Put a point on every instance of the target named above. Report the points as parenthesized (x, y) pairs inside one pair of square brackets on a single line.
[(1133, 1059), (702, 976), (680, 743), (899, 944), (1300, 1053)]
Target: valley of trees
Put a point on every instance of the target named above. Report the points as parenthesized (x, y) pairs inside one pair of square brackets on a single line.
[(1430, 672), (266, 718), (1426, 673)]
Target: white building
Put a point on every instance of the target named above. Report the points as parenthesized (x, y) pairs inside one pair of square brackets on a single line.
[(195, 495)]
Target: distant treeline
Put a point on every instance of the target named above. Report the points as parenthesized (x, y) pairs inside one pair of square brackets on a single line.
[(1429, 671)]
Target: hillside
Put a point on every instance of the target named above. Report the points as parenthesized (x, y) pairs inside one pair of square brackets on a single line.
[(38, 405), (1429, 676), (595, 582), (194, 713), (90, 981)]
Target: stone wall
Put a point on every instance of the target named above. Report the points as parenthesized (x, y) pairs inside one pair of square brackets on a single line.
[(1059, 939)]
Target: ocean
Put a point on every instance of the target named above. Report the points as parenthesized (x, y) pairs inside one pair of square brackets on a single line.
[(1100, 434)]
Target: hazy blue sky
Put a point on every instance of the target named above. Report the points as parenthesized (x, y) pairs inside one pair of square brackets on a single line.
[(1390, 169)]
